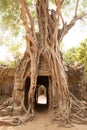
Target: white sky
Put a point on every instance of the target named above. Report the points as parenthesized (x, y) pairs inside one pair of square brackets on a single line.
[(4, 54), (74, 36)]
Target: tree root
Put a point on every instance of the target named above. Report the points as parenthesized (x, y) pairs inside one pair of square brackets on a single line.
[(7, 103), (78, 119), (66, 117), (15, 120), (76, 113)]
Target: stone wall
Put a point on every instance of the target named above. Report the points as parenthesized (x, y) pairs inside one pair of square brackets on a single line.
[(76, 80), (6, 80)]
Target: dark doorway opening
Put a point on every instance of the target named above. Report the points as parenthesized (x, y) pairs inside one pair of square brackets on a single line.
[(26, 90), (41, 94)]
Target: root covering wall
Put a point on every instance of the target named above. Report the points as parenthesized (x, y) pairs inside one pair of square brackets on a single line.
[(75, 77)]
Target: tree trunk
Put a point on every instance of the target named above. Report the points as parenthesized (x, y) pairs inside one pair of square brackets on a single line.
[(47, 44), (32, 51)]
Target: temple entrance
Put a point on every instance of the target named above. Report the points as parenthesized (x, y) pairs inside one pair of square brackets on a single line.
[(41, 94)]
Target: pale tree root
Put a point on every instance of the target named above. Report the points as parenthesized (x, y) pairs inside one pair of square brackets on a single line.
[(16, 120), (76, 113), (6, 103), (30, 108)]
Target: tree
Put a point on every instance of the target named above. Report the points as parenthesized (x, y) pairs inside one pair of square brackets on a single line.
[(47, 43), (78, 54), (82, 53), (71, 55), (10, 10), (14, 48), (50, 37)]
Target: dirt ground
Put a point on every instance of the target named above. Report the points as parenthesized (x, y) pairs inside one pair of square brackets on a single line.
[(42, 122)]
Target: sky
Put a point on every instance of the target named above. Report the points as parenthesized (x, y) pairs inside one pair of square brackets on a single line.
[(74, 37)]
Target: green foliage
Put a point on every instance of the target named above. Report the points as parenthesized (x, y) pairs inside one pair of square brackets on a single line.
[(77, 54), (9, 64), (82, 50), (10, 13), (71, 55), (14, 48)]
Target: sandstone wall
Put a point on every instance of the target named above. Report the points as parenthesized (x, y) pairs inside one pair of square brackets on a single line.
[(76, 80), (6, 80)]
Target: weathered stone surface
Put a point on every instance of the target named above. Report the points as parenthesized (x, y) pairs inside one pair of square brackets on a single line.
[(17, 111), (5, 112), (76, 80), (6, 80)]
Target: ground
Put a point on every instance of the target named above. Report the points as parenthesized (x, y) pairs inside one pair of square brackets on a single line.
[(42, 122)]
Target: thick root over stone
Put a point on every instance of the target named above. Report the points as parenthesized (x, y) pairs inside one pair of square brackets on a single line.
[(76, 113)]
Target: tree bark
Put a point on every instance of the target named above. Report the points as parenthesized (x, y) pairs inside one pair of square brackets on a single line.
[(32, 50)]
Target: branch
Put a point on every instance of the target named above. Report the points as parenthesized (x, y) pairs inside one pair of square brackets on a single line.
[(59, 1), (26, 12), (77, 4), (29, 27), (73, 21), (67, 27), (44, 8), (58, 19)]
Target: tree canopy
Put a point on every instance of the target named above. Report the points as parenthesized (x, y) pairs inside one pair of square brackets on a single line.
[(10, 11), (10, 20)]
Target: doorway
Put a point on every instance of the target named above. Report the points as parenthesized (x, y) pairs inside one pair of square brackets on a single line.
[(41, 94)]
